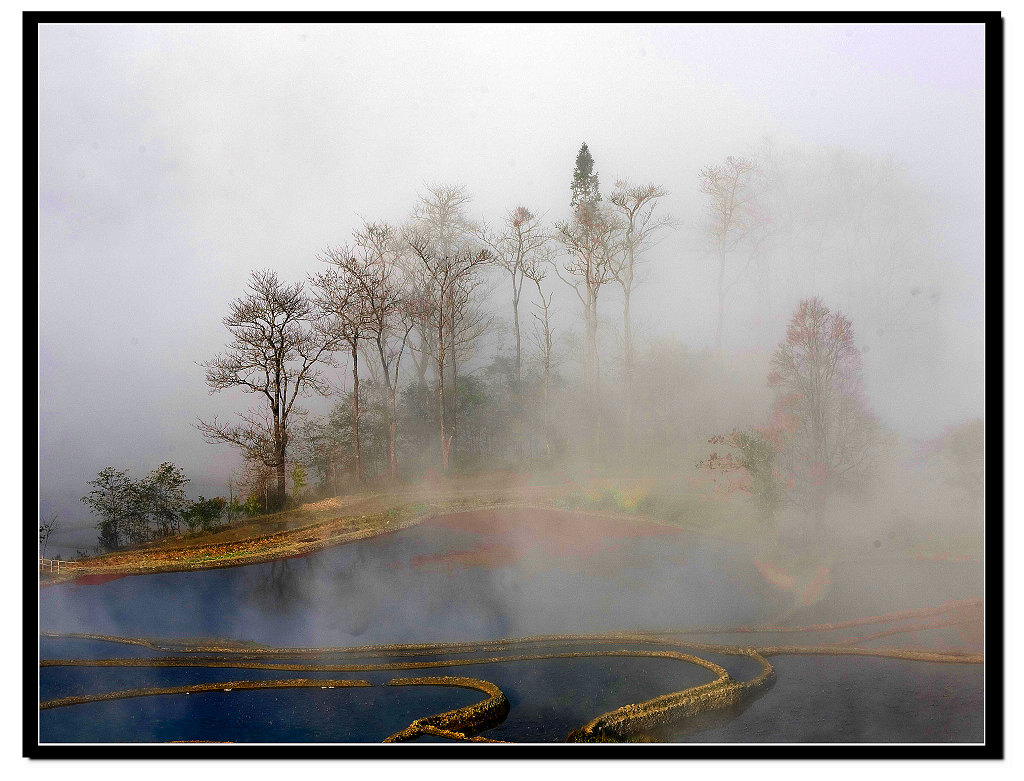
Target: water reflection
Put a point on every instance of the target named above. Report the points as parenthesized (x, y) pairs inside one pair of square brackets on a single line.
[(431, 582), (450, 580), (280, 586)]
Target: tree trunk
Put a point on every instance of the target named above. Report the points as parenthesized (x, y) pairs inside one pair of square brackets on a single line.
[(596, 379), (721, 300), (547, 372), (593, 380), (440, 411), (281, 445), (627, 330), (547, 408), (588, 358), (421, 369), (519, 343), (424, 353), (440, 393), (281, 487), (360, 475), (393, 434), (590, 361), (392, 386), (454, 394)]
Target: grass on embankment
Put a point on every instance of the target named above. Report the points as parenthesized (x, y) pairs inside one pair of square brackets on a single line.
[(307, 528), (338, 520)]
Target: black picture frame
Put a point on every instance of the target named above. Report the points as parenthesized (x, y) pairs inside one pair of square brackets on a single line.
[(992, 748)]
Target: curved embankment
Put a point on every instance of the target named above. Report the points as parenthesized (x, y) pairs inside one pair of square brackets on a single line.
[(646, 718), (248, 664), (959, 611), (638, 721), (952, 606), (461, 723), (226, 686), (260, 548), (255, 550)]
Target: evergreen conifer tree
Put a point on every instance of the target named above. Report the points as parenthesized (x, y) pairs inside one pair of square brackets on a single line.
[(584, 180)]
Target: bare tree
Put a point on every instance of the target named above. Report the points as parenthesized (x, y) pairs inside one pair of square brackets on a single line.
[(440, 222), (279, 340), (880, 237), (47, 529), (514, 246), (848, 225), (468, 321), (590, 242), (733, 215), (446, 292), (439, 217), (536, 269), (342, 293), (636, 206), (389, 310), (423, 348)]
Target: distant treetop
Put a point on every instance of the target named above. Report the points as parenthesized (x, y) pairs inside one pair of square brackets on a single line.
[(584, 180)]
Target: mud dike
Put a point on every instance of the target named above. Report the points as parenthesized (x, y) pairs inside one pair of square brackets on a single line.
[(643, 721)]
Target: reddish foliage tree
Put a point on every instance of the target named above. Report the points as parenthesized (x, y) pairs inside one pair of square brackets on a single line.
[(820, 432), (820, 423)]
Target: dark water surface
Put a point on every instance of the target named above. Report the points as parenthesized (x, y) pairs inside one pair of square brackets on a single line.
[(432, 582), (470, 577), (859, 699)]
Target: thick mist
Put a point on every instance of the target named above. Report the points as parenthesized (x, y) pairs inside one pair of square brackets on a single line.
[(174, 160)]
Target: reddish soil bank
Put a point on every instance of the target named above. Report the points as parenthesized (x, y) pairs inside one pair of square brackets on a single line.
[(97, 580), (565, 528), (503, 537), (494, 555)]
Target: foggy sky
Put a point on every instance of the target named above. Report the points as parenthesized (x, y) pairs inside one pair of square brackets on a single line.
[(174, 160)]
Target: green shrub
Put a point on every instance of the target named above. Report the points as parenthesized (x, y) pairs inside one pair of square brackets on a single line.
[(203, 514)]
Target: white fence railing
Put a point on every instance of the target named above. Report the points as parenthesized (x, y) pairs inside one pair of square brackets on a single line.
[(54, 565)]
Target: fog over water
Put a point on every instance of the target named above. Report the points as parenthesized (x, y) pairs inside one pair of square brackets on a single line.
[(176, 159), (419, 585)]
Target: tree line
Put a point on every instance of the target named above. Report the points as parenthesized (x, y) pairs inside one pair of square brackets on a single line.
[(134, 511), (417, 289), (405, 306)]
